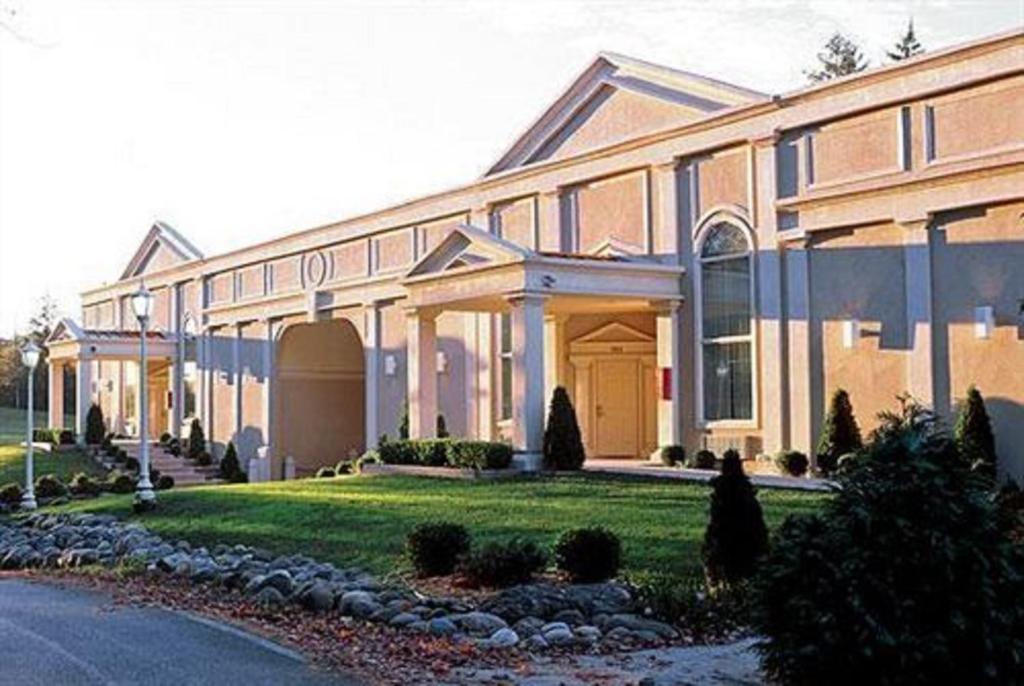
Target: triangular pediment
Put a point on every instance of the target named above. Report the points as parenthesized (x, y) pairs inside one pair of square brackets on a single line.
[(615, 332), (162, 247), (617, 98), (65, 330), (467, 246)]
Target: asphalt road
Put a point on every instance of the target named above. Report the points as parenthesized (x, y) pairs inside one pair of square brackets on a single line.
[(51, 636)]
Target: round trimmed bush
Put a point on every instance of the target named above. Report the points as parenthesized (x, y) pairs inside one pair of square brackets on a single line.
[(588, 555), (11, 494), (204, 459), (131, 464), (673, 455), (792, 462), (50, 486), (164, 482), (120, 483), (916, 580), (702, 459), (344, 467), (165, 438), (435, 548), (499, 565), (84, 485), (325, 473)]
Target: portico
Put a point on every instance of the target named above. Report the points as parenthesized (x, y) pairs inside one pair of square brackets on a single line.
[(533, 295)]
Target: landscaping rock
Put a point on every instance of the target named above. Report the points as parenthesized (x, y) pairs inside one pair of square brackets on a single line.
[(479, 623), (359, 604), (403, 619), (502, 638), (269, 597), (639, 624), (318, 597), (442, 626)]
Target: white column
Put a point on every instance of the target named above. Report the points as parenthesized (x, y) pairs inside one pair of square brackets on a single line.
[(56, 393), (421, 349), (670, 362), (554, 337), (268, 382), (83, 395), (528, 381), (371, 348)]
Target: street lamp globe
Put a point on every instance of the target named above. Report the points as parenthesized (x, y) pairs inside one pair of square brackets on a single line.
[(142, 303), (30, 355)]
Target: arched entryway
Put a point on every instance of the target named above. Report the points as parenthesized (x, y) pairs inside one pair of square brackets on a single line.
[(319, 415)]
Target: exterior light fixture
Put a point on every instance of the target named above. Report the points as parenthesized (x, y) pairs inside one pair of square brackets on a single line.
[(851, 332), (29, 358), (984, 322), (142, 305)]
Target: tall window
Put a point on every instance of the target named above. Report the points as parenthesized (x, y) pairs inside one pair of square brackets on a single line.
[(505, 364), (726, 324), (191, 372)]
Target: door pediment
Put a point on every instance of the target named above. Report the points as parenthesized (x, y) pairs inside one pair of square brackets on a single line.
[(465, 247), (614, 337)]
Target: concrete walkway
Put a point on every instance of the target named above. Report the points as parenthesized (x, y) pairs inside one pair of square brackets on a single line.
[(660, 471), (51, 635)]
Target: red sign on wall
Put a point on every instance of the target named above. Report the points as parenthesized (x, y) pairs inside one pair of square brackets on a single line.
[(666, 383)]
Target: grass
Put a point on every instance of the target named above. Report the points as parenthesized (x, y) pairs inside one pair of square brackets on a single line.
[(12, 457), (363, 520)]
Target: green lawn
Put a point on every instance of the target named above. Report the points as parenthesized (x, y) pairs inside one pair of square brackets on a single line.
[(364, 519), (12, 457)]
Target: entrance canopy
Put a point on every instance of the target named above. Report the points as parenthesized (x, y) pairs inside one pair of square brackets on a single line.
[(70, 342), (472, 270)]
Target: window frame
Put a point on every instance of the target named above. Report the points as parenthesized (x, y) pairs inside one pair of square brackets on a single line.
[(706, 227)]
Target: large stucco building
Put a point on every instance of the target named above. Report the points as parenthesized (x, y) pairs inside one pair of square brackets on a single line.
[(698, 263)]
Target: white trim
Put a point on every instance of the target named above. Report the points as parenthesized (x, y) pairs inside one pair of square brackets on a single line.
[(737, 218)]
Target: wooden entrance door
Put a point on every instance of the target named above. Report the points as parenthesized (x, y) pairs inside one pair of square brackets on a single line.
[(617, 408)]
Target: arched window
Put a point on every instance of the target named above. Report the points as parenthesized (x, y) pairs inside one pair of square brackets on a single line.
[(726, 323)]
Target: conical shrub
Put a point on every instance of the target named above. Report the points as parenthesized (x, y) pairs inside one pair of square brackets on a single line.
[(563, 444), (973, 433), (196, 440), (95, 429), (736, 537), (840, 434)]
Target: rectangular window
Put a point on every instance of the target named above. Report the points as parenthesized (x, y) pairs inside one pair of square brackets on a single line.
[(728, 387), (505, 364), (131, 390)]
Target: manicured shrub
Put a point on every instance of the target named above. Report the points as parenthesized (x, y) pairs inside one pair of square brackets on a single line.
[(344, 467), (174, 447), (563, 444), (95, 429), (131, 464), (441, 430), (325, 473), (230, 468), (165, 438), (906, 576), (84, 485), (164, 482), (121, 456), (50, 486), (204, 459), (430, 452), (120, 483), (11, 494), (911, 418), (736, 536), (588, 555), (499, 565), (673, 455), (839, 434), (369, 457), (196, 440), (702, 459), (42, 436), (435, 548), (973, 433), (479, 454), (791, 462), (66, 437)]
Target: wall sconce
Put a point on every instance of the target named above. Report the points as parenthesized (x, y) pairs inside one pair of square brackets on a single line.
[(390, 365), (851, 332), (984, 321), (442, 363)]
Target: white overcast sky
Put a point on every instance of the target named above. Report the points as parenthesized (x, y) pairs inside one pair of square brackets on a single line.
[(237, 121)]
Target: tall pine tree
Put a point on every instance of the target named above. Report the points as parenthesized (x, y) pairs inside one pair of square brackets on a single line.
[(907, 46), (840, 57)]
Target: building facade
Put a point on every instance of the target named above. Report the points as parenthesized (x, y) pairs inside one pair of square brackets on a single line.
[(697, 263)]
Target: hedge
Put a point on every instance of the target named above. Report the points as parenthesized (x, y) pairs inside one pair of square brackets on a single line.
[(447, 452)]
